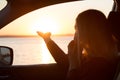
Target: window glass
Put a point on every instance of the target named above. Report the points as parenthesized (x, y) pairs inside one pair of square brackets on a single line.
[(58, 19)]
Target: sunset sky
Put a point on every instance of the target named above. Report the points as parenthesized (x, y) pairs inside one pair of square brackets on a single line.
[(57, 19)]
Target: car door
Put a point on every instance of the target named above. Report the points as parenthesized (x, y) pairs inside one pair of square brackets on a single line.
[(33, 72), (28, 72), (13, 10)]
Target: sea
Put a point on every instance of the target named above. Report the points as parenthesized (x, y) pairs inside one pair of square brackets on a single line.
[(33, 50)]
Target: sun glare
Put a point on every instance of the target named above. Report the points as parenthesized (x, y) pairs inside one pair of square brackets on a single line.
[(46, 57), (46, 24)]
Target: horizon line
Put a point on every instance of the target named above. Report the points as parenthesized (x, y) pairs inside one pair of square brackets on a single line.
[(34, 35)]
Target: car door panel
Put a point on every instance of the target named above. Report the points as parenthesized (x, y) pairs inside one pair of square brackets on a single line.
[(33, 72)]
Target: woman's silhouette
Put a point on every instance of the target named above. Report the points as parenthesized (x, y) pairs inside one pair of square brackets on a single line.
[(92, 36)]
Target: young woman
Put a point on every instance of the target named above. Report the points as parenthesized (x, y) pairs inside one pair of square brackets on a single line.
[(92, 31), (92, 36)]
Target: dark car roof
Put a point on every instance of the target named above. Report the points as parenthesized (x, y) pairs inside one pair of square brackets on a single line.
[(17, 8)]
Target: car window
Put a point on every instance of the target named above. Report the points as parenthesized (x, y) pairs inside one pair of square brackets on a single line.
[(58, 19)]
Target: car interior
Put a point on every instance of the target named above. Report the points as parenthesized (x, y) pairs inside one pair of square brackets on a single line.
[(13, 10)]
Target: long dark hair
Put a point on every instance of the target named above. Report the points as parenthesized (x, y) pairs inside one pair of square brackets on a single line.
[(93, 26)]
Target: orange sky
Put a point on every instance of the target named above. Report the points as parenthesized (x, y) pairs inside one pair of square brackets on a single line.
[(58, 19)]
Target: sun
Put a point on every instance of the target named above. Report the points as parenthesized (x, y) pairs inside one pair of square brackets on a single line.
[(46, 24)]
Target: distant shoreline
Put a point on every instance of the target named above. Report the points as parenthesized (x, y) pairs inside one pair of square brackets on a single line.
[(27, 36)]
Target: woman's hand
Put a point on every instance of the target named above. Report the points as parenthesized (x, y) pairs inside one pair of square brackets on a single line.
[(45, 36)]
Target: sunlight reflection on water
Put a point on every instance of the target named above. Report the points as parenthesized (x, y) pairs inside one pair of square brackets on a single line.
[(45, 57), (33, 50)]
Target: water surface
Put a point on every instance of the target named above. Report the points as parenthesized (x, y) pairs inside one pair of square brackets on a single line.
[(33, 50)]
